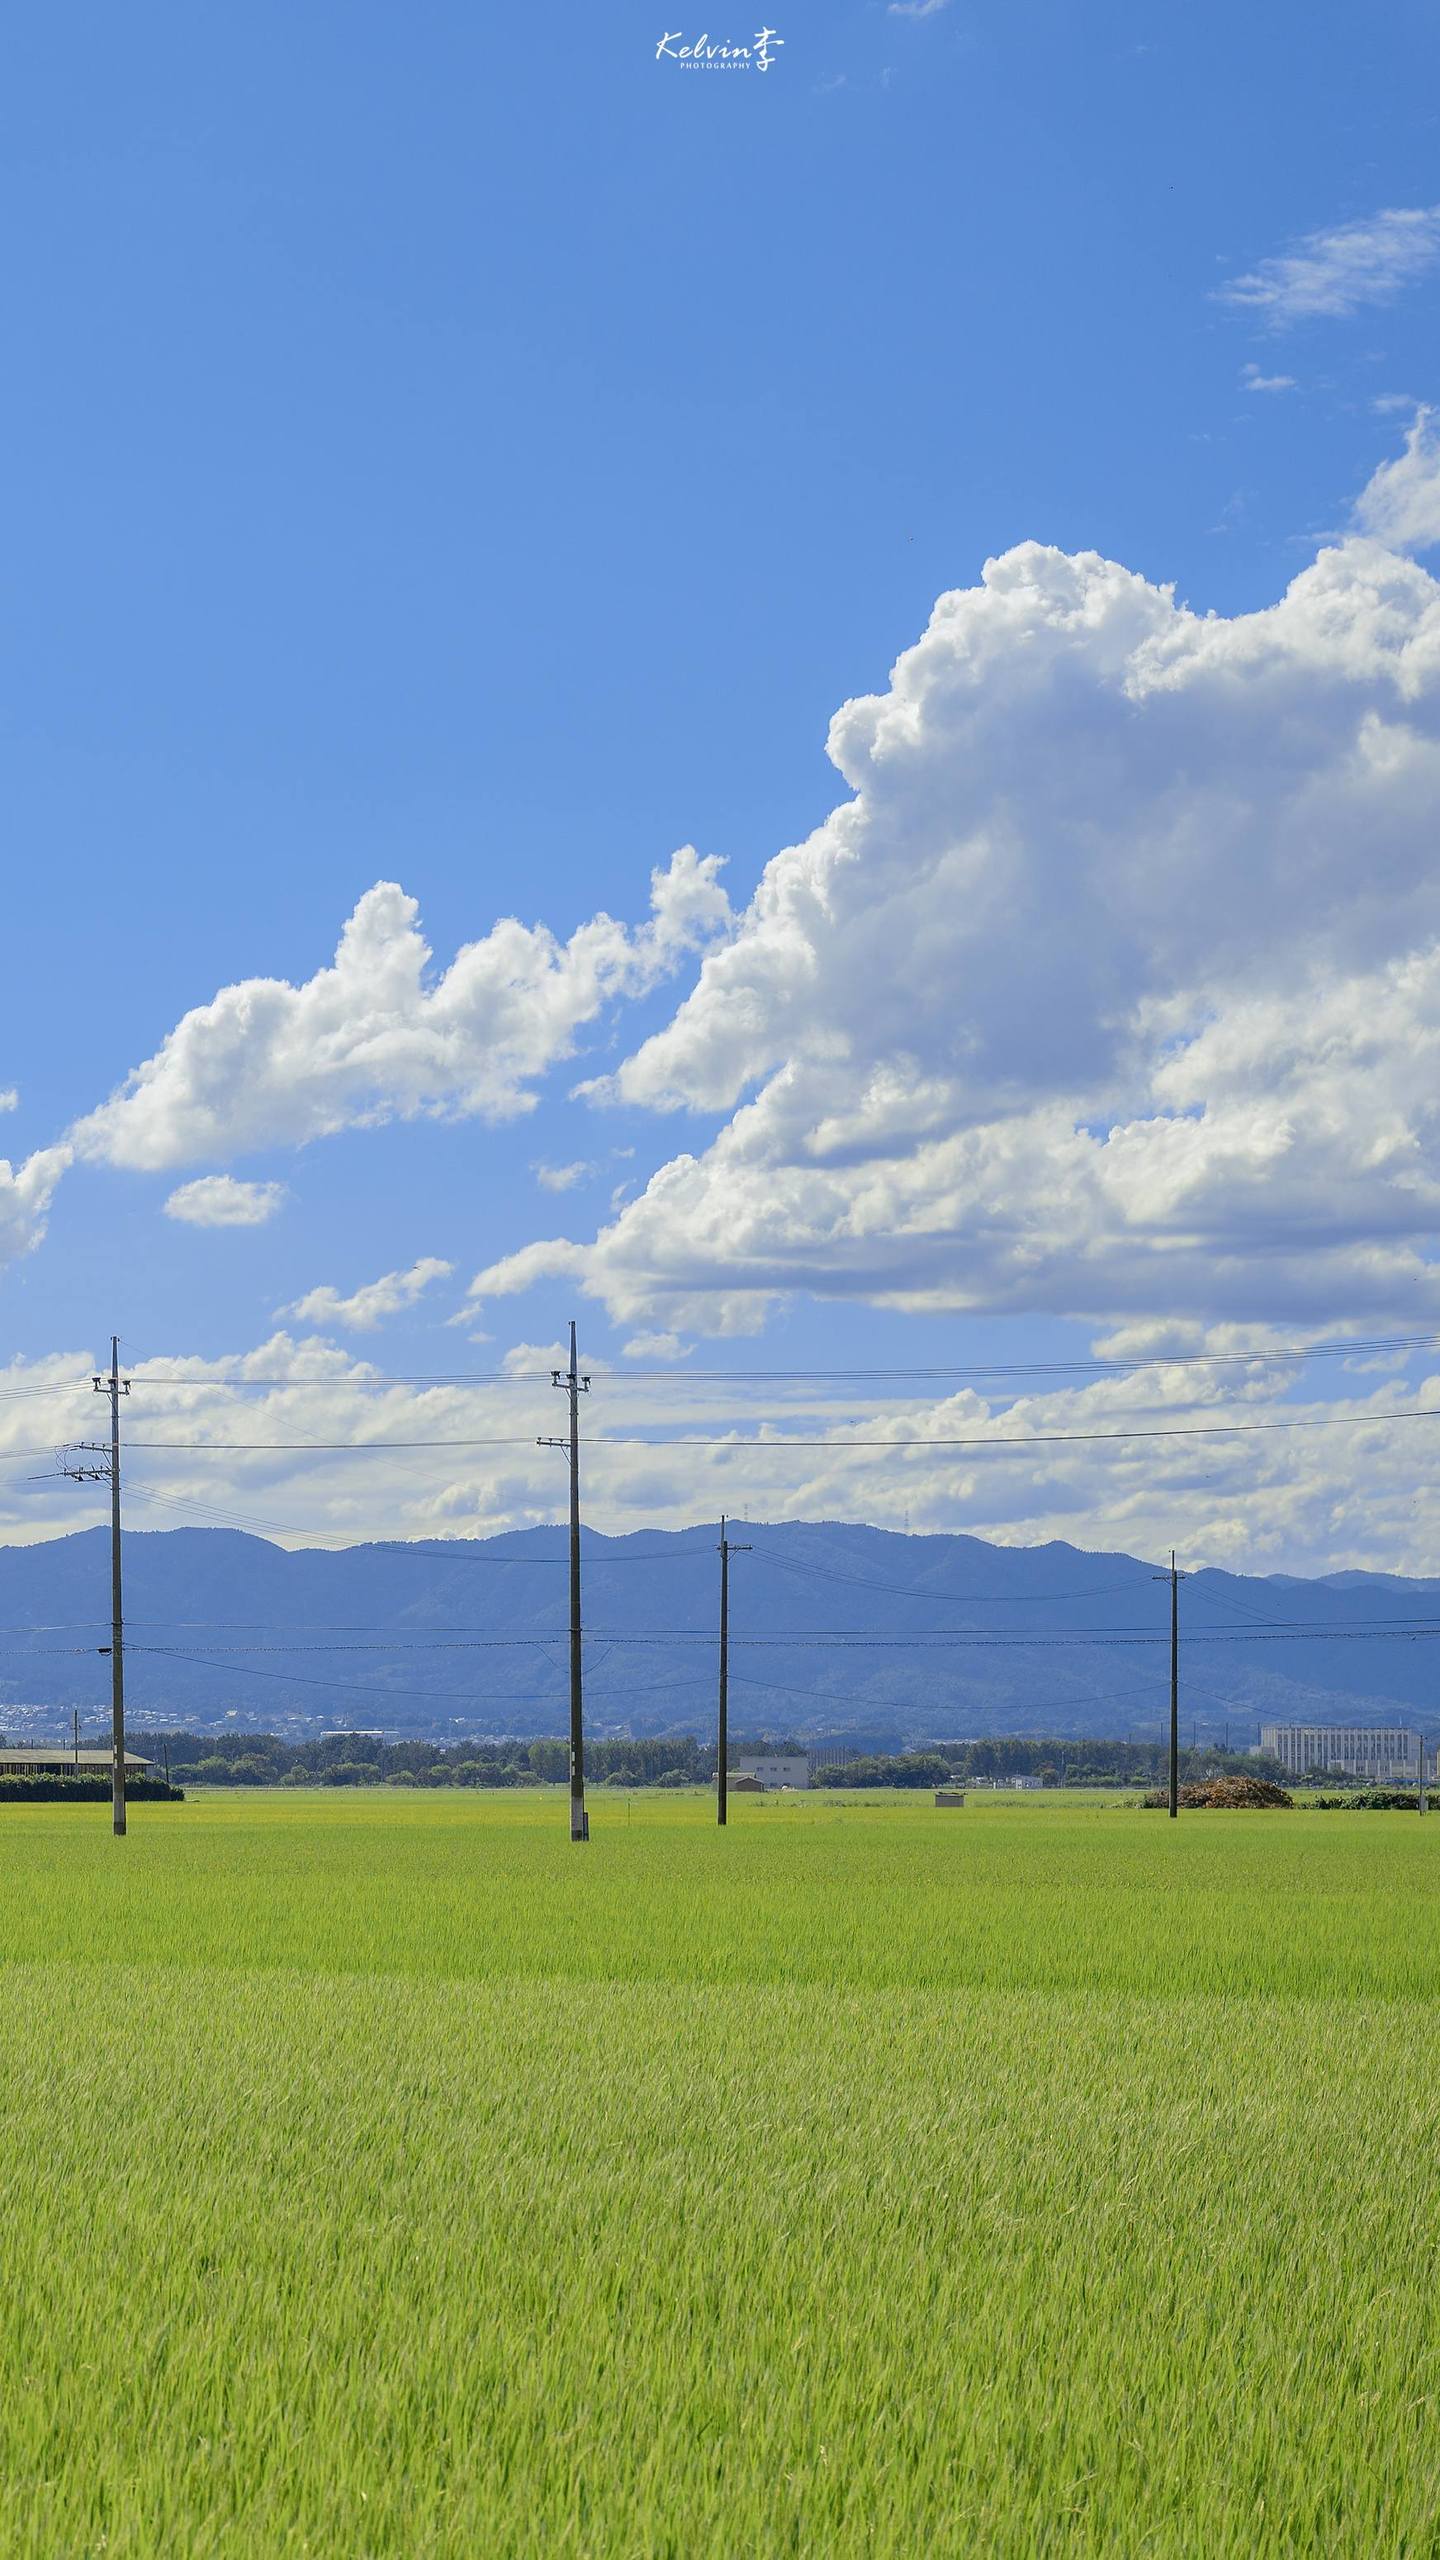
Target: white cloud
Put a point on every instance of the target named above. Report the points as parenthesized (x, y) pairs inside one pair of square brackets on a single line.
[(26, 1191), (916, 8), (1400, 503), (217, 1200), (374, 1037), (1303, 1500), (1252, 379), (561, 1177), (369, 1306), (1114, 990), (10, 1098), (1330, 274)]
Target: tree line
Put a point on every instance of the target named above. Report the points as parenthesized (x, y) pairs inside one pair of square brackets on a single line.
[(673, 1760), (364, 1760), (1061, 1762)]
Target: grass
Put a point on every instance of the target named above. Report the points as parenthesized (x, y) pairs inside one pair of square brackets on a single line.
[(387, 2177)]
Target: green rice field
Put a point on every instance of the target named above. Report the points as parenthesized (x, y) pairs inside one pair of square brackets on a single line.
[(386, 2176)]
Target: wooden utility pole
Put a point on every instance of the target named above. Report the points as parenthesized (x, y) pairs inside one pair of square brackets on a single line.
[(575, 1386), (117, 1604), (108, 1472), (1420, 1756), (728, 1548), (1174, 1578)]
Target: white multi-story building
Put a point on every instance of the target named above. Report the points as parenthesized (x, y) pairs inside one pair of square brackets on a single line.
[(784, 1772), (1388, 1753)]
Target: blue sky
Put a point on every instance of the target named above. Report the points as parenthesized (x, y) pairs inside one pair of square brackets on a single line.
[(472, 453)]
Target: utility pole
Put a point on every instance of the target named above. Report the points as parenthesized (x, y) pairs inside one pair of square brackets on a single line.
[(575, 1386), (108, 1472), (1174, 1578), (728, 1548), (117, 1606), (1420, 1757)]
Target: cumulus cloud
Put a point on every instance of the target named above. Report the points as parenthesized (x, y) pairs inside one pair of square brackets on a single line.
[(562, 1177), (1330, 274), (217, 1200), (1400, 504), (1252, 379), (1113, 990), (10, 1098), (369, 1306), (26, 1191), (378, 1036)]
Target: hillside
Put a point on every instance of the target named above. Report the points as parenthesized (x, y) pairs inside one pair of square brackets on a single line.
[(837, 1629)]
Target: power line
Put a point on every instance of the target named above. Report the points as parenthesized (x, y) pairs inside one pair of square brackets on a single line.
[(851, 1699), (815, 1638), (777, 1446), (1357, 1346), (451, 1552)]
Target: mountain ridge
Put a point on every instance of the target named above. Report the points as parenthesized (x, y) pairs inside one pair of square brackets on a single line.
[(836, 1628)]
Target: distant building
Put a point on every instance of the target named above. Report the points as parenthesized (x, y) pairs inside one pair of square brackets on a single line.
[(785, 1772), (949, 1795), (1387, 1753), (1001, 1783), (57, 1760), (735, 1785)]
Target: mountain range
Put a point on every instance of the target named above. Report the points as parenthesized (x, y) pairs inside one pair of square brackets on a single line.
[(837, 1631)]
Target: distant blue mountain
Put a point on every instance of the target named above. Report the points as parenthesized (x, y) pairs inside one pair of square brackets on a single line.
[(837, 1630)]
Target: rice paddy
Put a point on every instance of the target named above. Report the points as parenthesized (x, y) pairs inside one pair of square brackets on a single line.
[(388, 2177)]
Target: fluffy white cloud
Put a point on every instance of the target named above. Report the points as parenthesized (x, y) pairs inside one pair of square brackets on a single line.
[(1400, 504), (561, 1177), (369, 1306), (26, 1191), (218, 1200), (1330, 274), (375, 1037), (1252, 379), (1113, 989), (10, 1098)]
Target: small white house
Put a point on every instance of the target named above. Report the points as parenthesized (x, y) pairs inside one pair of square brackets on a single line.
[(774, 1773)]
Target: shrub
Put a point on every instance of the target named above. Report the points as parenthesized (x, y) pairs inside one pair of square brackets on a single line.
[(86, 1791), (1372, 1800)]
